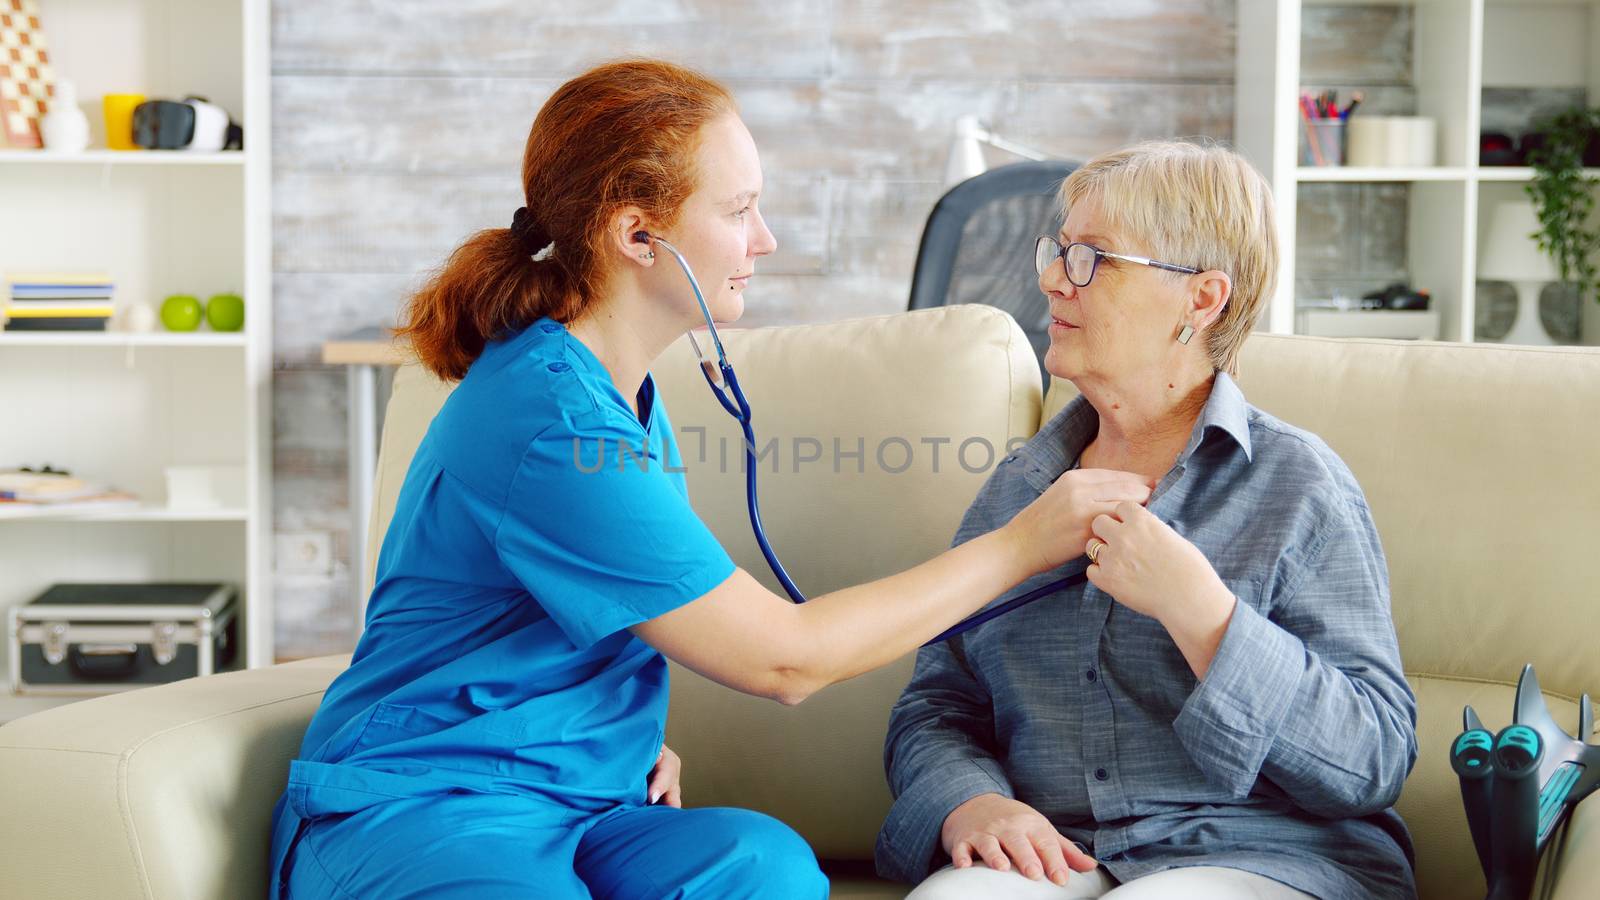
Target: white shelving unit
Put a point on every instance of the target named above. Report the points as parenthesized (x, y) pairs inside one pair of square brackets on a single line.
[(120, 407), (1459, 47)]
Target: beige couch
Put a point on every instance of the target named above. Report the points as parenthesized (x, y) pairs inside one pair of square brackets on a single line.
[(1477, 460)]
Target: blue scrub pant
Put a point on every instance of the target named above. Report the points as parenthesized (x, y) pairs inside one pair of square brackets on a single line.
[(495, 846)]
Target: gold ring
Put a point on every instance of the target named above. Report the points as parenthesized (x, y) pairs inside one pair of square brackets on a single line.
[(1093, 552)]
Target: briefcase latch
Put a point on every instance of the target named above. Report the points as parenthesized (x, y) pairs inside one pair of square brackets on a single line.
[(164, 644), (55, 643)]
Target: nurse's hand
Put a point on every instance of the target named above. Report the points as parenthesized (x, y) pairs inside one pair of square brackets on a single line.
[(1055, 527), (664, 784)]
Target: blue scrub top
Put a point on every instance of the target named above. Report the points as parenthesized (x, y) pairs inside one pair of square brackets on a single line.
[(540, 519)]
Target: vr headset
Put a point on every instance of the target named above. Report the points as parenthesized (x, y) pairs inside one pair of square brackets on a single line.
[(191, 124)]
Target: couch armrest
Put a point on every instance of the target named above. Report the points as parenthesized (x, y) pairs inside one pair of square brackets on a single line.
[(160, 792)]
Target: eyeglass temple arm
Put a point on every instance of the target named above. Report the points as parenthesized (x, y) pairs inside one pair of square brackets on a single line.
[(1146, 261)]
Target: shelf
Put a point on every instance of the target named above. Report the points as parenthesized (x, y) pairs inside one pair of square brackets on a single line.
[(1420, 2), (121, 158), (1368, 323), (120, 339), (1364, 173), (144, 513), (1518, 173), (1540, 2), (1307, 174)]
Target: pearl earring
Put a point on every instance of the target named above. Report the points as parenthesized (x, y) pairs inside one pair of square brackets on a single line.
[(1185, 334)]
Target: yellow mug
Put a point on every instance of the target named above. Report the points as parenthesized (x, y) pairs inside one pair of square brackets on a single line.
[(119, 120)]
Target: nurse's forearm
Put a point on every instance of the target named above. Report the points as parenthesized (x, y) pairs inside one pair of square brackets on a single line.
[(861, 628), (742, 635)]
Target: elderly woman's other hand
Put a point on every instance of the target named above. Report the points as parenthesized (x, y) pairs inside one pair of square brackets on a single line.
[(1000, 832), (1151, 569)]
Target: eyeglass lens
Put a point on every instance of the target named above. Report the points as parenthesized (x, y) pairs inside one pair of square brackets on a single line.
[(1079, 259)]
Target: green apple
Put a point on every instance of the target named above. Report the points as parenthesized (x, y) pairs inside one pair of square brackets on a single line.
[(181, 312), (225, 312)]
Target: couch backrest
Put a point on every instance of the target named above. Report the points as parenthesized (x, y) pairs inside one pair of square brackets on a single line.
[(892, 386), (1479, 464)]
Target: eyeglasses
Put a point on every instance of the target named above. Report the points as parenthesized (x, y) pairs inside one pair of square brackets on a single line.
[(1082, 259)]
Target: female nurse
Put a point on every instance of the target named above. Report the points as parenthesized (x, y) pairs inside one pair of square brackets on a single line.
[(498, 732)]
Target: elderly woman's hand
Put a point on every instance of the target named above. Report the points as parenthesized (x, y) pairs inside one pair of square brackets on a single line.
[(1151, 569), (1056, 524)]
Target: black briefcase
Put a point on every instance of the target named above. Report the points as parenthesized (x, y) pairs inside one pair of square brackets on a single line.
[(102, 638)]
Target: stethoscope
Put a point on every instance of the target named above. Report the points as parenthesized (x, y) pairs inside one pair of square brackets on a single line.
[(721, 373)]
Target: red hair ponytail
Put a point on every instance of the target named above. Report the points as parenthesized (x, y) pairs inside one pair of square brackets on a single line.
[(620, 135)]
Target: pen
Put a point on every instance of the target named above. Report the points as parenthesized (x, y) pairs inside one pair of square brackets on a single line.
[(1355, 101)]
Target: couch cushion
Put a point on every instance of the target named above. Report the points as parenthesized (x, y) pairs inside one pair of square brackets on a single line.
[(162, 792)]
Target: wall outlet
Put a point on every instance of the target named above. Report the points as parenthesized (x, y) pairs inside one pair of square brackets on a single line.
[(304, 553)]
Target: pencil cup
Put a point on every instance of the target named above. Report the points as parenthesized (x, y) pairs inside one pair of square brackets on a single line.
[(1321, 142)]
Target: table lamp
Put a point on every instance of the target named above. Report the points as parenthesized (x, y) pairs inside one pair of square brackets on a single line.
[(965, 159), (1511, 254)]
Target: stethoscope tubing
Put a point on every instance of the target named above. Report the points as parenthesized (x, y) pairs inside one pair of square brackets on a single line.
[(739, 408)]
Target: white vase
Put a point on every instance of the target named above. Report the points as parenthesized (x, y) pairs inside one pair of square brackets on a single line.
[(1527, 328), (65, 128)]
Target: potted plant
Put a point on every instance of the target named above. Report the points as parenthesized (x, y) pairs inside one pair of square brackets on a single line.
[(1564, 197)]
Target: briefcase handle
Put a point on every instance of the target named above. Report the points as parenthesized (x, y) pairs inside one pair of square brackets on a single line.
[(104, 660)]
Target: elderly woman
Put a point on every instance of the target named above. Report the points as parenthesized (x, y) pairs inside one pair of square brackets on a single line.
[(1219, 710)]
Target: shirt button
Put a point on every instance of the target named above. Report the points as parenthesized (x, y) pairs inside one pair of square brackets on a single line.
[(559, 367), (1090, 676), (549, 328), (1101, 774)]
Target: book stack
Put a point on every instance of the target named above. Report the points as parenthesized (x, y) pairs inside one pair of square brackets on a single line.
[(59, 302), (24, 492)]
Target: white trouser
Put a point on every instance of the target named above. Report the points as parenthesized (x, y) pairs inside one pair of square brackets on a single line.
[(979, 882)]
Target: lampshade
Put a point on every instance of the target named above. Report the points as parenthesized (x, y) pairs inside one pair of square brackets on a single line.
[(966, 153), (1510, 253)]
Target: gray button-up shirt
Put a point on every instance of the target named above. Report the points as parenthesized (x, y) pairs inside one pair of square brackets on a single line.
[(1285, 761)]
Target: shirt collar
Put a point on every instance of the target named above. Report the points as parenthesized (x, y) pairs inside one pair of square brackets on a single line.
[(1226, 411), (1063, 438)]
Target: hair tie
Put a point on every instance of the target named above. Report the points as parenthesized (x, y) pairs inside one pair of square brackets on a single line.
[(533, 238)]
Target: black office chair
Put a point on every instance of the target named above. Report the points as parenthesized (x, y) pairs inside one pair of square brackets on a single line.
[(978, 245)]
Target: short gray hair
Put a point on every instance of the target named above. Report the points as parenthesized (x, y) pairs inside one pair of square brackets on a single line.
[(1192, 204)]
